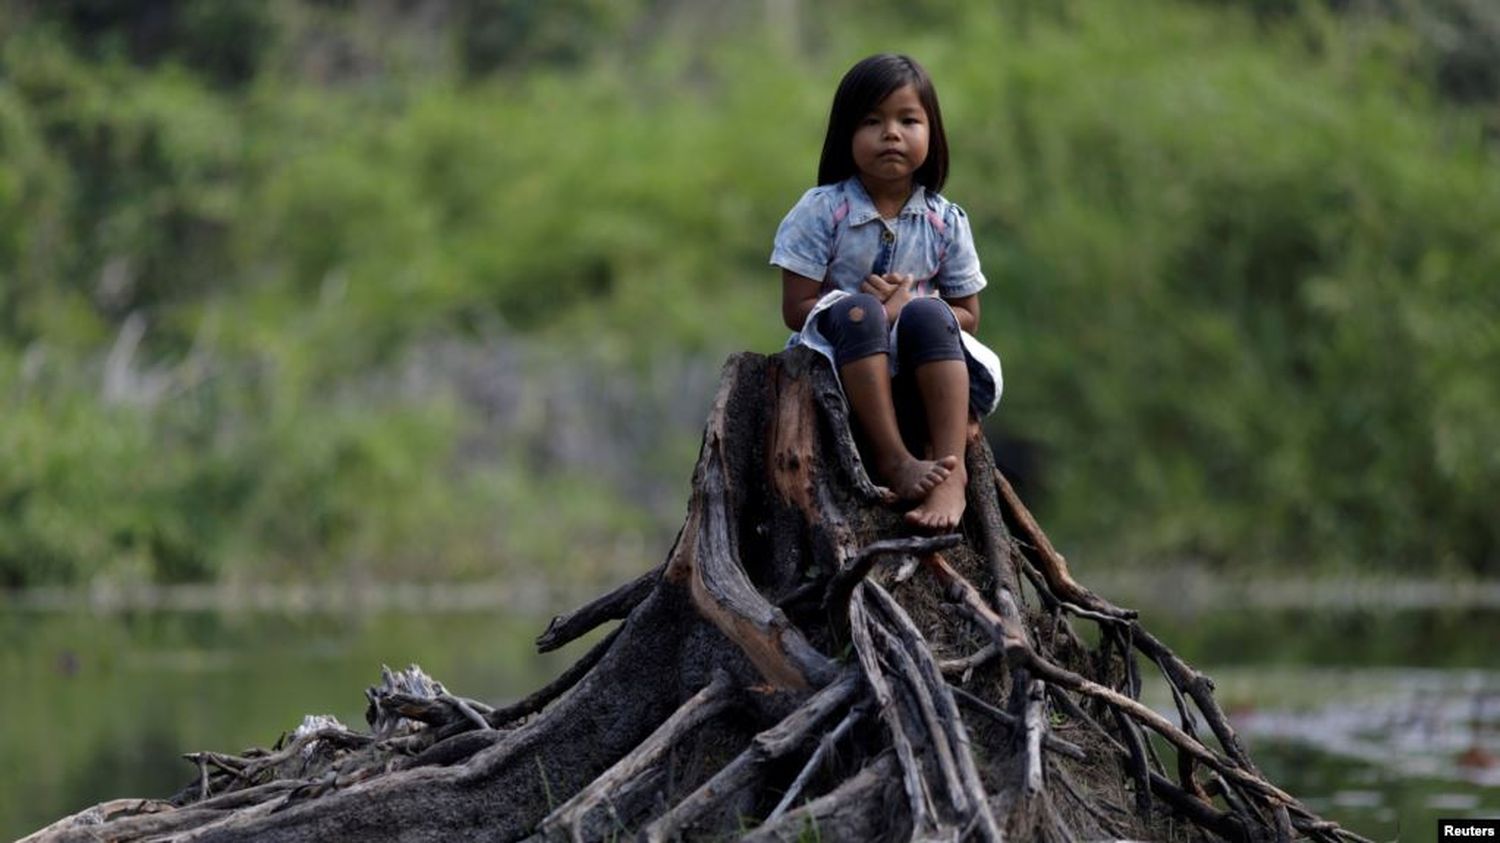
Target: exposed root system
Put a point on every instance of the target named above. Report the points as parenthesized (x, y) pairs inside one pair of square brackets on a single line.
[(800, 666)]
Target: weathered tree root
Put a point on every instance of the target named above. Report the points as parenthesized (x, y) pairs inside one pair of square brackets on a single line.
[(797, 665)]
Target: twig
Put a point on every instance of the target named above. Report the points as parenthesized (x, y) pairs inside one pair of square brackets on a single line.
[(967, 664), (1051, 563), (1090, 614), (843, 581), (466, 710), (1235, 801), (1050, 742), (615, 605), (951, 724), (1074, 682), (1018, 650), (1106, 822), (778, 741), (1139, 770), (851, 798), (1035, 730), (701, 707), (911, 775), (927, 712), (1184, 760), (825, 746), (539, 698)]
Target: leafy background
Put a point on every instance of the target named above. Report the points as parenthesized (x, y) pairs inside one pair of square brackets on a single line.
[(316, 290)]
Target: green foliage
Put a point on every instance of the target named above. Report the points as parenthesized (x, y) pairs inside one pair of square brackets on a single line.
[(1235, 262), (1459, 54), (1241, 276), (125, 184), (519, 34), (222, 40)]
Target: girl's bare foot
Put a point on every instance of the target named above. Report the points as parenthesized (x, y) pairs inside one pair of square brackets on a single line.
[(912, 479), (944, 505)]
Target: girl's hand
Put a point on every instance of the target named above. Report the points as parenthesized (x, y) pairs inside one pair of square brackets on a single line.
[(884, 286), (881, 286), (899, 298), (892, 288)]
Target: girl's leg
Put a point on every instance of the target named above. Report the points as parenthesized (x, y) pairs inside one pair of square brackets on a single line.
[(857, 328), (932, 351), (944, 387)]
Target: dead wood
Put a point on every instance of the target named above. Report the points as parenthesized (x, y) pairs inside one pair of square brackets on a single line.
[(798, 666)]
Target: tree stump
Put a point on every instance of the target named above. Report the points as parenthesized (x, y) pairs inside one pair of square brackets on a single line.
[(799, 667)]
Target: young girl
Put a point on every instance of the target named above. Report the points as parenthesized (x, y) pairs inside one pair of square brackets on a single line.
[(879, 274)]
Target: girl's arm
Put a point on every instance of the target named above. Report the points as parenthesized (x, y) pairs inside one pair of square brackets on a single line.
[(798, 295), (967, 311)]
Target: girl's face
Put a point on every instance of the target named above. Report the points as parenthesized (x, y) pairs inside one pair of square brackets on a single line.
[(890, 143)]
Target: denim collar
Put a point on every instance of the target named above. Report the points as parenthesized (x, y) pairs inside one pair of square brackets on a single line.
[(862, 207)]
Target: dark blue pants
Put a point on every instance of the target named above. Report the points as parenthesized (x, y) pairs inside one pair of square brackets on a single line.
[(927, 331)]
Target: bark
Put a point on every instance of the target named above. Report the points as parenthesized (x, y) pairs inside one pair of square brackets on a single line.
[(799, 665)]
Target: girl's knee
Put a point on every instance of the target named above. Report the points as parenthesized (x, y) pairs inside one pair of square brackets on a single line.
[(928, 332), (929, 314), (858, 309), (856, 327)]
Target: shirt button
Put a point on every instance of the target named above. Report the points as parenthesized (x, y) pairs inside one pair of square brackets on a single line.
[(888, 236)]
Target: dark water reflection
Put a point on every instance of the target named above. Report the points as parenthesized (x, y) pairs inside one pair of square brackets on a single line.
[(1383, 720)]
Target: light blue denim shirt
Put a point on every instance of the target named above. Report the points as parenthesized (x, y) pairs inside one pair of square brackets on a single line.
[(835, 235)]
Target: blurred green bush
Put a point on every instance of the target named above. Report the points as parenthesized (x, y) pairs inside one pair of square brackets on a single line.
[(1243, 278)]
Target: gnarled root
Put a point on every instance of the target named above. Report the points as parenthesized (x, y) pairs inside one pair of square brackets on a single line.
[(798, 665)]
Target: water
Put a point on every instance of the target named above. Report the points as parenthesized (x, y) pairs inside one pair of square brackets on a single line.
[(97, 707), (1383, 720), (1385, 751)]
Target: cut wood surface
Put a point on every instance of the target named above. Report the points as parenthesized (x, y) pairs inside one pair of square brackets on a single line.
[(800, 666)]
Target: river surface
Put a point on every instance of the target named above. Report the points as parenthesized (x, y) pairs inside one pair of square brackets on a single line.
[(1383, 718)]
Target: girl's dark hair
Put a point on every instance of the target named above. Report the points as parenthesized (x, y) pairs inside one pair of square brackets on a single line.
[(862, 88)]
